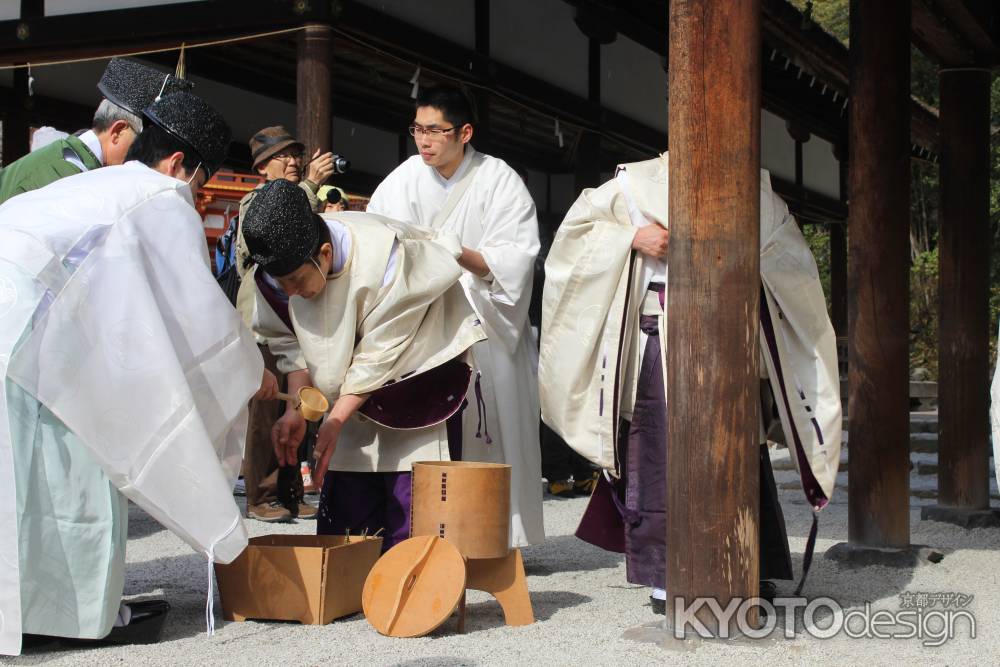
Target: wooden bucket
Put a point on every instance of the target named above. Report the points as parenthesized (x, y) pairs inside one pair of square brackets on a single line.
[(465, 502)]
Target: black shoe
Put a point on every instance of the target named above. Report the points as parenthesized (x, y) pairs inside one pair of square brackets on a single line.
[(145, 626), (659, 606)]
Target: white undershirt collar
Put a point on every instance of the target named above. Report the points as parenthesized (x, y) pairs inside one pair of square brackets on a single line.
[(90, 140)]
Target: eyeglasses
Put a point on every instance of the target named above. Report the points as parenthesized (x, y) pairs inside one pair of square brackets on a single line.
[(285, 157), (432, 132)]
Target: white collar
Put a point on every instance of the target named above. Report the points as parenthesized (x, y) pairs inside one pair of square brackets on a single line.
[(463, 166), (90, 140)]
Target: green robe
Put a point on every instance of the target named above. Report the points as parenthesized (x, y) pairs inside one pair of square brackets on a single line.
[(44, 166)]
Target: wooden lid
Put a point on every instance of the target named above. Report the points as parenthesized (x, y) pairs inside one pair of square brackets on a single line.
[(414, 587)]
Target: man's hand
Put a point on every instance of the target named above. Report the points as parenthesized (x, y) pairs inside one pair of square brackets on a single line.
[(268, 387), (320, 167), (286, 435), (329, 432), (326, 445), (652, 240), (473, 261)]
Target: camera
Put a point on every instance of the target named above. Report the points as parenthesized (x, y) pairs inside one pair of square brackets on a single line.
[(341, 165)]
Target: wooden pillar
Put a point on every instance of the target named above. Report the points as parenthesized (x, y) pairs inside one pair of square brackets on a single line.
[(15, 121), (800, 135), (838, 259), (878, 247), (587, 171), (964, 328), (483, 137), (313, 87), (712, 331)]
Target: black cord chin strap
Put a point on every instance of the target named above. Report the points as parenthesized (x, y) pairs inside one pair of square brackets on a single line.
[(807, 558)]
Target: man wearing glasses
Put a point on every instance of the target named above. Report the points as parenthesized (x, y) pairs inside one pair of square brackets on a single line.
[(276, 154), (452, 187)]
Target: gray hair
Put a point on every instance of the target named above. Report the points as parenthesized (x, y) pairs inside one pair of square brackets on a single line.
[(108, 112)]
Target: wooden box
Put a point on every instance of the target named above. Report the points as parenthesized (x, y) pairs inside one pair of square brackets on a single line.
[(312, 579)]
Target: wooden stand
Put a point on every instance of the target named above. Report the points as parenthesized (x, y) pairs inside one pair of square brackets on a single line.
[(504, 579)]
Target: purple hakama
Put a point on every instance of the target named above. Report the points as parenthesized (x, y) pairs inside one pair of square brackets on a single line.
[(629, 515), (365, 502)]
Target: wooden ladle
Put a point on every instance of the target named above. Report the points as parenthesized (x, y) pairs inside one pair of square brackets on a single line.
[(310, 403)]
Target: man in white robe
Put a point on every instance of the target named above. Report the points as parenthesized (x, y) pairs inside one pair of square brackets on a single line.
[(375, 319), (125, 375), (604, 291), (451, 187)]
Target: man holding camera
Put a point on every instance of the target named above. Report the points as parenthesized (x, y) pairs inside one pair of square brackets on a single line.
[(276, 154)]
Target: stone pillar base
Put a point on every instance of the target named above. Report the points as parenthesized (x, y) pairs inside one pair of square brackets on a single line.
[(966, 518), (853, 555)]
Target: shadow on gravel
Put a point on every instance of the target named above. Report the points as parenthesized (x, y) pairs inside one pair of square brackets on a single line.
[(567, 553), (141, 524), (488, 615)]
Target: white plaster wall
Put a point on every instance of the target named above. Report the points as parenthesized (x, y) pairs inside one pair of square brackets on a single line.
[(777, 148), (451, 19), (820, 169), (57, 7), (10, 9), (540, 39), (633, 82)]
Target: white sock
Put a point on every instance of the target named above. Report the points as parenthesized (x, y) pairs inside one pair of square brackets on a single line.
[(658, 594), (124, 615)]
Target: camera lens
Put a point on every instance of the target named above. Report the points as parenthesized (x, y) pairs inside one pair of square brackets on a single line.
[(340, 164)]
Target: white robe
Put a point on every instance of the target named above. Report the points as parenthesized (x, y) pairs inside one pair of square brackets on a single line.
[(125, 373), (590, 340), (391, 310), (496, 217)]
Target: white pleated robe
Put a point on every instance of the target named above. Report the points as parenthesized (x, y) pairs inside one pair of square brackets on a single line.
[(496, 217), (126, 375)]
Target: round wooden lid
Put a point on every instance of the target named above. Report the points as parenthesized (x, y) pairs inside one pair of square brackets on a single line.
[(414, 587)]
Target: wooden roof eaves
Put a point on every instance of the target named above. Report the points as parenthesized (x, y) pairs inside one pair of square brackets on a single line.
[(954, 33)]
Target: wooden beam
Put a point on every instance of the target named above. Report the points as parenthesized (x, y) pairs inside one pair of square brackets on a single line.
[(878, 282), (933, 35), (714, 257), (31, 9), (964, 324), (979, 22), (415, 45), (109, 32), (809, 203)]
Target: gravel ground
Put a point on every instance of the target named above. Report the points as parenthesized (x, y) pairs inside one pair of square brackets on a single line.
[(586, 613)]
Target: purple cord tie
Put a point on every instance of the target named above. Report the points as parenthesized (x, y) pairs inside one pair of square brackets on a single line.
[(481, 411)]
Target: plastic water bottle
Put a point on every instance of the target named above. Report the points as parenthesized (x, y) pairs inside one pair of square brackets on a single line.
[(307, 480)]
